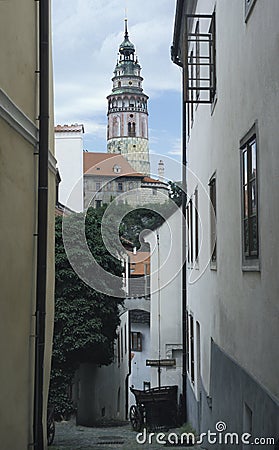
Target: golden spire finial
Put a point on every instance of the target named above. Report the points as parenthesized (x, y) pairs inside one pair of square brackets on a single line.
[(126, 19)]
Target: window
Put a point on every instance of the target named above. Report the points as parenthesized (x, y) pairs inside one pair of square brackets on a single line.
[(120, 186), (131, 129), (190, 348), (212, 56), (116, 168), (131, 185), (213, 237), (118, 350), (121, 343), (249, 5), (98, 203), (136, 341), (190, 231), (154, 191), (146, 385), (250, 239), (196, 226), (98, 186), (187, 343), (200, 61), (125, 338)]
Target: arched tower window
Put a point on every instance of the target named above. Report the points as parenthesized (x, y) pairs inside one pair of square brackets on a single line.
[(131, 129), (119, 83)]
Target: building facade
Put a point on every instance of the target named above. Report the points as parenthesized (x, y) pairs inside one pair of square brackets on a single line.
[(166, 301), (69, 155), (229, 55), (127, 110), (110, 177), (102, 394), (20, 156)]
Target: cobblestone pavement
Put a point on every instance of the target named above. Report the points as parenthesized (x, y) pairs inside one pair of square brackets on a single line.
[(68, 436)]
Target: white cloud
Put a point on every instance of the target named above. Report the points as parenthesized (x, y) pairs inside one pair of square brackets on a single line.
[(176, 148)]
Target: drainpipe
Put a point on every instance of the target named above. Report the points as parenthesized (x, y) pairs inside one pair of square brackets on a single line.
[(176, 60), (42, 223), (184, 269)]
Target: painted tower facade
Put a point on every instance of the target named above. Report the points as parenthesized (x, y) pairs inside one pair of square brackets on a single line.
[(127, 110)]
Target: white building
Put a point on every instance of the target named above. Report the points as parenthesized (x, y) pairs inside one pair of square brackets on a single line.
[(102, 394), (231, 139), (166, 301), (69, 155)]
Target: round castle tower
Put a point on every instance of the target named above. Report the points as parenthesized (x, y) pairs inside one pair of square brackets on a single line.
[(127, 110)]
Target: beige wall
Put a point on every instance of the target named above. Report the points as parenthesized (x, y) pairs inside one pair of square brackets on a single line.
[(18, 193)]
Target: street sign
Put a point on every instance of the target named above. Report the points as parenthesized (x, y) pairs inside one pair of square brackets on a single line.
[(160, 363)]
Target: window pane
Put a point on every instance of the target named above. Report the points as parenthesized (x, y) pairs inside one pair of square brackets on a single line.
[(245, 167), (245, 201), (253, 198), (253, 159), (246, 237), (254, 236)]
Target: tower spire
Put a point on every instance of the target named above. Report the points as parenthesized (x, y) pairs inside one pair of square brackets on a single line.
[(126, 35)]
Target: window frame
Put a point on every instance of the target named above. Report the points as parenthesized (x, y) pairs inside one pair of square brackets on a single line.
[(122, 186), (250, 262), (98, 186), (248, 7), (137, 335), (213, 221)]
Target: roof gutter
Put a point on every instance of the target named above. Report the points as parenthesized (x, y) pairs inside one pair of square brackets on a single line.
[(44, 12)]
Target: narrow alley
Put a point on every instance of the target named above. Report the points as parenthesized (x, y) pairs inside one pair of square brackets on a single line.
[(68, 436)]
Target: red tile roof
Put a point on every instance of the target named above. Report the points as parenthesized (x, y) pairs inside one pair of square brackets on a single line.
[(74, 127), (103, 164)]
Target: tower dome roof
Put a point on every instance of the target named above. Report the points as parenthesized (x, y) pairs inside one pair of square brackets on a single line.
[(126, 45)]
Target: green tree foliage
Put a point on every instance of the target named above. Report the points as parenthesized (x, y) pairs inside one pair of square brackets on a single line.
[(85, 320), (136, 220), (175, 192)]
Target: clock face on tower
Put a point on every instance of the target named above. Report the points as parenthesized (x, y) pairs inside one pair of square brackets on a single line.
[(127, 110)]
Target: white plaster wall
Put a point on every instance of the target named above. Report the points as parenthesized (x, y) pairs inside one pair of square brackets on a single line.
[(139, 371), (169, 296), (239, 310), (69, 155)]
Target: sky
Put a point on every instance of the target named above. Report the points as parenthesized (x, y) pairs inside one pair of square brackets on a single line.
[(86, 39)]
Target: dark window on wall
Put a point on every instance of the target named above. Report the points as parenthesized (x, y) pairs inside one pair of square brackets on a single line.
[(120, 186), (98, 203), (118, 349), (131, 129), (190, 232), (125, 338), (213, 218), (187, 343), (191, 81), (212, 54), (136, 341), (98, 186), (250, 234), (191, 244), (197, 58), (196, 226), (121, 343), (249, 4), (192, 350)]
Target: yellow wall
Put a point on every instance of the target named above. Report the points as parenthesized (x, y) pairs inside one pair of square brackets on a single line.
[(18, 194)]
